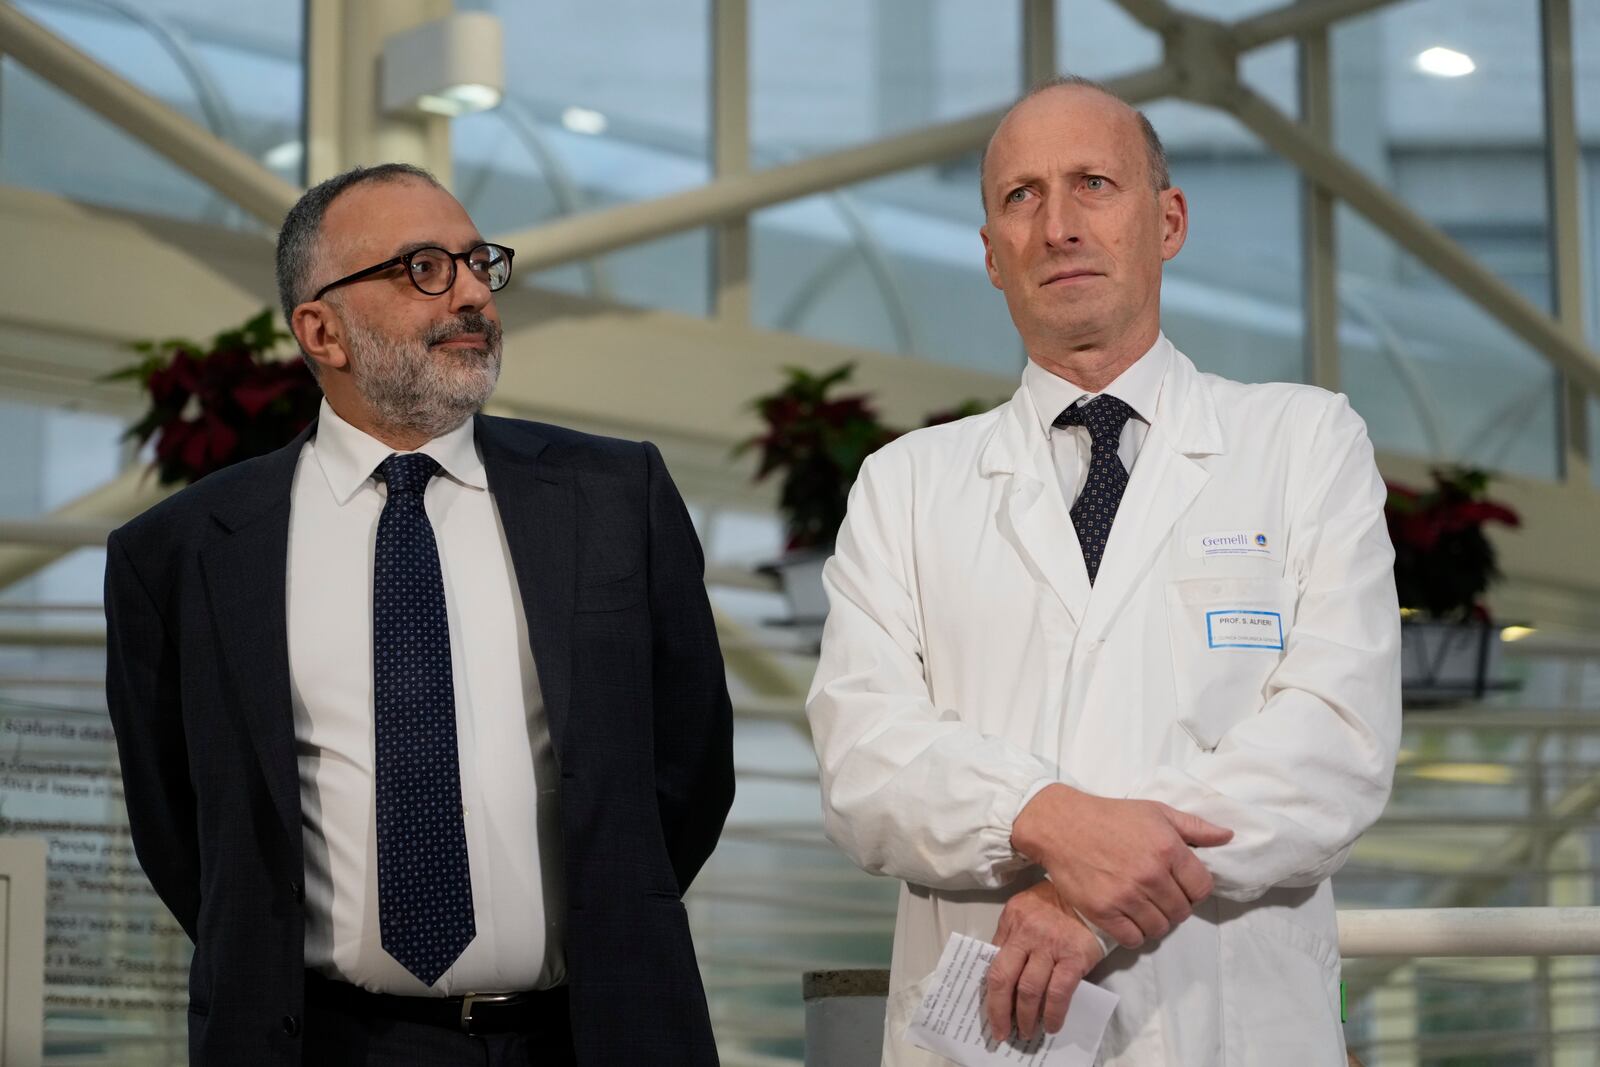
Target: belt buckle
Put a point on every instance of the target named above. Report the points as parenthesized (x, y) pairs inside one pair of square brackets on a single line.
[(470, 1000)]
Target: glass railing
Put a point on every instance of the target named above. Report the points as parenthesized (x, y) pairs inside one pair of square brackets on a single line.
[(116, 963)]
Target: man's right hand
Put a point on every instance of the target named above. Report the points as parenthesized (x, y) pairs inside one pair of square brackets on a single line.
[(1126, 865)]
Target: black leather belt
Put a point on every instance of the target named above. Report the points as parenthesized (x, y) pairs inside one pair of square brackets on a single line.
[(533, 1012)]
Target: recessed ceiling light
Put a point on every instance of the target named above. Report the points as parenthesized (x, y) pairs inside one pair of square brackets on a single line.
[(1445, 63), (584, 120), (285, 156)]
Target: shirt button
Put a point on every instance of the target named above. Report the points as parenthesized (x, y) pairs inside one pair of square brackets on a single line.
[(297, 890), (291, 1025)]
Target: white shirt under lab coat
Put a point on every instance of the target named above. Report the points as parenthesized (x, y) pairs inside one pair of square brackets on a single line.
[(508, 774), (966, 660)]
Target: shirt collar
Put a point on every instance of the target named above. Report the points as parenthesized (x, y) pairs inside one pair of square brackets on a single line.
[(1139, 386), (348, 456)]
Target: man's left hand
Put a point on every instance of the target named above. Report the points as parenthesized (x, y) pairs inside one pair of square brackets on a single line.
[(1045, 950)]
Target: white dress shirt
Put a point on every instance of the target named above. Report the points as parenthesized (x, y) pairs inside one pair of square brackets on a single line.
[(1139, 387), (508, 772)]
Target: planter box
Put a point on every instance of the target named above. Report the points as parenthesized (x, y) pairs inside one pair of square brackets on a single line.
[(800, 575), (1442, 662)]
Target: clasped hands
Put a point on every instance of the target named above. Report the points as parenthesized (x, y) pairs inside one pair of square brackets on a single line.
[(1127, 866)]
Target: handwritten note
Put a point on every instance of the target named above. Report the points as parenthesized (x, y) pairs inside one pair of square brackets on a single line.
[(950, 1020)]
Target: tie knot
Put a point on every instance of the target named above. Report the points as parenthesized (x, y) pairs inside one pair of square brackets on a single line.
[(408, 472), (1103, 417)]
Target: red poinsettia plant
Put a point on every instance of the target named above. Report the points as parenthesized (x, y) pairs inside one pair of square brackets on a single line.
[(215, 404), (1444, 562), (819, 442)]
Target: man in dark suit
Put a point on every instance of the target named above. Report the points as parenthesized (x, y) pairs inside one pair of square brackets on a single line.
[(422, 719)]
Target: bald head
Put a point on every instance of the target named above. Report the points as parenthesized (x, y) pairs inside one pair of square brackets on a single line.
[(1115, 109)]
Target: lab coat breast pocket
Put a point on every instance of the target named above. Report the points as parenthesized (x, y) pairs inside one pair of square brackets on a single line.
[(1228, 636)]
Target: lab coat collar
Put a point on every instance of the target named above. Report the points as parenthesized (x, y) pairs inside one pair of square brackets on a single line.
[(1186, 411), (1138, 386), (1164, 482)]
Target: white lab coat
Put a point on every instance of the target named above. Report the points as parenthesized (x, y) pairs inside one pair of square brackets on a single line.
[(966, 659)]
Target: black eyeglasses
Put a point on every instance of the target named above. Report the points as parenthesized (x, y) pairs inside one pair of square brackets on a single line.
[(433, 270)]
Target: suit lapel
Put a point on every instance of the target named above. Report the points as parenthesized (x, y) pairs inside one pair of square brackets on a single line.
[(1165, 481), (246, 571), (535, 499)]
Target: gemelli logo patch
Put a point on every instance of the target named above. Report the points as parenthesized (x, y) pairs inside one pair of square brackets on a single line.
[(1256, 543)]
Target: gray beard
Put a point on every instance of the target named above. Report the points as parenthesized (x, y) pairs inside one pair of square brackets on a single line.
[(412, 389)]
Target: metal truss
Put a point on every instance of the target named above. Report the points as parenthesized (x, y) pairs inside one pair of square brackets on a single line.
[(1200, 65)]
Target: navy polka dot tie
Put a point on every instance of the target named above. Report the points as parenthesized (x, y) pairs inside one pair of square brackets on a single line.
[(424, 887), (1096, 506)]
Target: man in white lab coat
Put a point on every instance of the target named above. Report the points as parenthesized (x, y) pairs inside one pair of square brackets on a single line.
[(1114, 669)]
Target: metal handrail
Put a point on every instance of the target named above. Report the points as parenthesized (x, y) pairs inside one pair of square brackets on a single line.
[(1475, 932)]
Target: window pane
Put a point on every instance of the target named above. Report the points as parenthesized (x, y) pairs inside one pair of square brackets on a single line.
[(235, 68), (598, 112), (1098, 39), (832, 73), (1431, 372), (894, 264), (1466, 152), (1231, 299)]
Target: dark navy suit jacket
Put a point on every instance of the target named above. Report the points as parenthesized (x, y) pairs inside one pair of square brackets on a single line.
[(197, 680)]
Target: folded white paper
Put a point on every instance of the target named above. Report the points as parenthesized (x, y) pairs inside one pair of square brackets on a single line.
[(950, 1020)]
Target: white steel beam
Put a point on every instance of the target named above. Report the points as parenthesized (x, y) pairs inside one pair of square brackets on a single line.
[(1417, 236), (1297, 18), (187, 145), (1565, 228), (58, 533), (1039, 59), (1152, 14), (736, 196), (50, 637), (1478, 932), (324, 59), (1319, 251), (730, 146), (79, 522)]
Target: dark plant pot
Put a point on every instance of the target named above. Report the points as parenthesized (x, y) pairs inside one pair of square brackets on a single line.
[(1442, 662), (799, 573)]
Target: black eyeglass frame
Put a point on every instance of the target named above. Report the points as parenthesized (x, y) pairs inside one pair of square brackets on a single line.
[(452, 257)]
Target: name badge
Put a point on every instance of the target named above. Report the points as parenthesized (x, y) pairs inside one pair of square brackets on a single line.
[(1245, 629), (1256, 543)]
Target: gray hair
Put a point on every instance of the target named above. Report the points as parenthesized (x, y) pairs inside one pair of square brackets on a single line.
[(299, 239), (1155, 152)]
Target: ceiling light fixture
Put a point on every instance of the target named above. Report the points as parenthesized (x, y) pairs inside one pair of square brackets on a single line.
[(285, 156), (584, 120), (1445, 62), (450, 66)]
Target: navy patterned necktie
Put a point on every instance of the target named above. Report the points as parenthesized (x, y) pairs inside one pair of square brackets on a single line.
[(1096, 506), (424, 887)]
